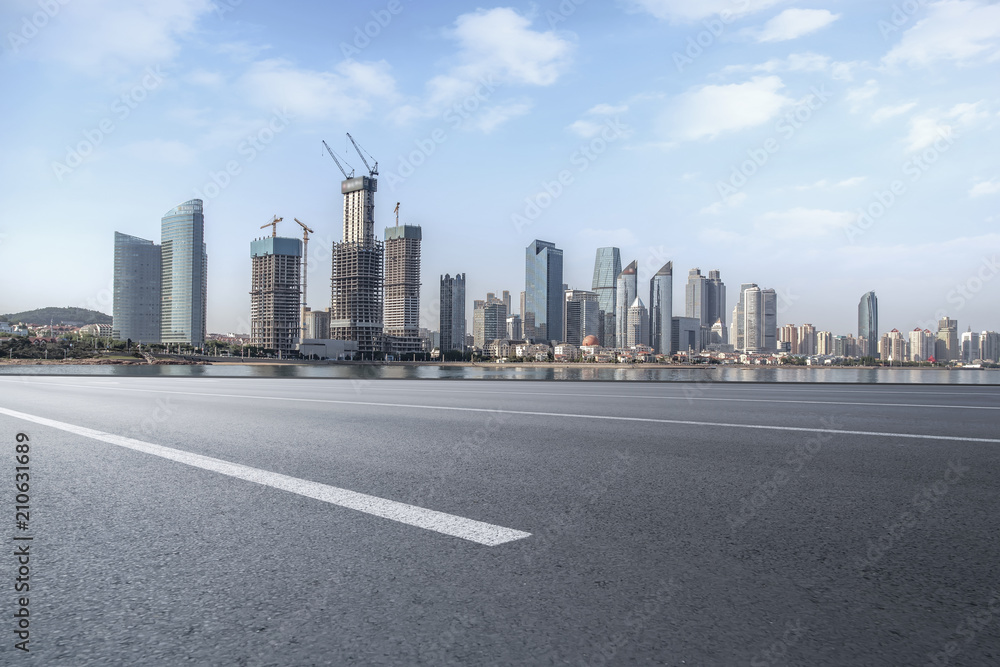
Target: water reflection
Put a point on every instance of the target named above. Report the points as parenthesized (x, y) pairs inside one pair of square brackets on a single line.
[(503, 372)]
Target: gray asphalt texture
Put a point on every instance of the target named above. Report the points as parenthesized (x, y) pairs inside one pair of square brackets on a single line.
[(651, 543)]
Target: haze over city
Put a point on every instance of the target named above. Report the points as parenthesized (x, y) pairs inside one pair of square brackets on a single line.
[(745, 141)]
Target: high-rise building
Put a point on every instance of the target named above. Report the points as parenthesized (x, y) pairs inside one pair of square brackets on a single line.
[(868, 325), (356, 295), (275, 293), (582, 316), (736, 331), (989, 346), (770, 303), (753, 320), (892, 347), (808, 340), (626, 289), (685, 334), (402, 289), (824, 342), (696, 298), (514, 327), (607, 266), (136, 306), (946, 347), (543, 287), (970, 346), (638, 324), (489, 320), (715, 298), (921, 345), (184, 275), (452, 313), (789, 333), (317, 323), (661, 309)]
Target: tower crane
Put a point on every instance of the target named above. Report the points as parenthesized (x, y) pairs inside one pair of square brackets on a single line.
[(305, 272), (396, 211), (273, 224), (334, 156), (372, 171)]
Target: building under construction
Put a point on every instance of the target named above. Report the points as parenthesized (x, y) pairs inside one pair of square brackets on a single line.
[(402, 289), (275, 293), (356, 301)]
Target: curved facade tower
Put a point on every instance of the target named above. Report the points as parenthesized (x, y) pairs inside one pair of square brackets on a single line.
[(868, 325), (661, 309), (184, 271), (607, 266), (625, 293)]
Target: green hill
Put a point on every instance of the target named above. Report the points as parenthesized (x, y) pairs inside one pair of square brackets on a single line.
[(74, 316)]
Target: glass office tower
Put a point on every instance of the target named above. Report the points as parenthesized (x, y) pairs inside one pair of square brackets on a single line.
[(868, 325), (543, 289), (136, 309), (184, 271)]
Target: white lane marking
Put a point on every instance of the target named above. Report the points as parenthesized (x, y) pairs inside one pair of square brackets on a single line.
[(683, 422), (706, 398), (447, 524)]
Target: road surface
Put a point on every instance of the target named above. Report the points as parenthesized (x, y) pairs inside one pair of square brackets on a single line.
[(332, 522)]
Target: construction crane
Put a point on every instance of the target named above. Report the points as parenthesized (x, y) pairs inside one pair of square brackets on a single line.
[(372, 171), (396, 211), (334, 156), (305, 272), (273, 224)]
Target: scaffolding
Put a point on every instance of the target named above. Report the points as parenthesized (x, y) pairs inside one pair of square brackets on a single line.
[(275, 294), (402, 290), (356, 301)]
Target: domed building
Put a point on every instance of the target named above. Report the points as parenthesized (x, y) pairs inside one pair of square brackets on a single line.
[(589, 340)]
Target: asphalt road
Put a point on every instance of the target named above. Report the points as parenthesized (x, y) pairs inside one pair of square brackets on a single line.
[(335, 522)]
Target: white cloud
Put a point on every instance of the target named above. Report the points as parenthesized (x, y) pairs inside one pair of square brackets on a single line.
[(495, 47), (494, 116), (795, 62), (200, 77), (985, 188), (586, 128), (803, 222), (957, 30), (589, 128), (712, 110), (679, 11), (114, 36), (825, 184), (927, 128), (733, 201), (343, 94), (886, 113), (794, 23), (857, 97), (608, 109)]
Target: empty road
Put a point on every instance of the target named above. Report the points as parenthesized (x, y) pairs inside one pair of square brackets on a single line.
[(337, 522)]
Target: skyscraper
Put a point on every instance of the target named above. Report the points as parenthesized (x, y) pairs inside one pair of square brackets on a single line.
[(607, 266), (356, 295), (402, 289), (452, 313), (753, 319), (275, 293), (626, 289), (736, 332), (661, 307), (543, 289), (184, 275), (638, 324), (868, 325), (136, 306), (769, 301), (946, 347), (715, 298), (696, 297), (582, 316)]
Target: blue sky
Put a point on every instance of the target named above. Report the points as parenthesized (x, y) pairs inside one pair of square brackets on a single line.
[(820, 148)]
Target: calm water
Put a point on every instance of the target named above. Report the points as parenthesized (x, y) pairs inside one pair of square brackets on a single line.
[(494, 372)]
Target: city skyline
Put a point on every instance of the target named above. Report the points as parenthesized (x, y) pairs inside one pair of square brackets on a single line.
[(220, 107)]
